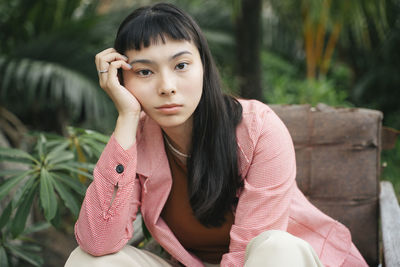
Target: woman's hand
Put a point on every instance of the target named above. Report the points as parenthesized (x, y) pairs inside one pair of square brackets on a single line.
[(108, 62)]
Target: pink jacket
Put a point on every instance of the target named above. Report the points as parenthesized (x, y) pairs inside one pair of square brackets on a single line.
[(270, 198)]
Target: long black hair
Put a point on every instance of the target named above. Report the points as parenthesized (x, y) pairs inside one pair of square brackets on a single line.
[(213, 175)]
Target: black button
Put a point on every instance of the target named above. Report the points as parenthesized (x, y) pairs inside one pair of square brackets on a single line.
[(119, 168)]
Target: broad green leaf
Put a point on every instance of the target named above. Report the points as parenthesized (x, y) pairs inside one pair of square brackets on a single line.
[(23, 211), (41, 146), (10, 68), (10, 172), (47, 196), (30, 257), (5, 216), (55, 151), (60, 157), (77, 131), (56, 221), (17, 160), (22, 190), (71, 182), (11, 182), (72, 169), (91, 145), (36, 228), (89, 151), (68, 197), (81, 165), (97, 136), (30, 247), (3, 257), (13, 153), (58, 143)]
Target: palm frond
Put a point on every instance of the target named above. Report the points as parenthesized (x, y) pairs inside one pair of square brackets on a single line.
[(48, 82)]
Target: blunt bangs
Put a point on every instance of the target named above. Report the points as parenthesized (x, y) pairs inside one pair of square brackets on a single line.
[(151, 26)]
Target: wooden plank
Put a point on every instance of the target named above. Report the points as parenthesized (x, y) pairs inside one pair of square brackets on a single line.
[(389, 137), (390, 217)]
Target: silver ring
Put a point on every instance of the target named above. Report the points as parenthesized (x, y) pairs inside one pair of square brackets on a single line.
[(103, 71)]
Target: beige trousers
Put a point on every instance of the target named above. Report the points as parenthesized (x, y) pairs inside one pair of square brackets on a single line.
[(269, 249)]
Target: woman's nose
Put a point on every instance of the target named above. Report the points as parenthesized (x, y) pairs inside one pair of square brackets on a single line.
[(167, 85), (167, 91)]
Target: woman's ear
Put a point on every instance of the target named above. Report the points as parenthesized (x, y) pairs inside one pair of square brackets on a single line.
[(120, 77)]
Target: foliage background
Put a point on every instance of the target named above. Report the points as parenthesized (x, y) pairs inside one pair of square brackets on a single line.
[(342, 53)]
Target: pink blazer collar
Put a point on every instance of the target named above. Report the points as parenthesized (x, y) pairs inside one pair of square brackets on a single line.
[(150, 147)]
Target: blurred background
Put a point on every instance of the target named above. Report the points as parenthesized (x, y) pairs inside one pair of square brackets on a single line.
[(341, 53)]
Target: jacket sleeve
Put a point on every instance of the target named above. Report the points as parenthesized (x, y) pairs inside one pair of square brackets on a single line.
[(112, 200), (268, 187)]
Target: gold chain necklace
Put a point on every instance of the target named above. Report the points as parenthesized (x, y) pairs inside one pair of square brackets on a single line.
[(174, 149)]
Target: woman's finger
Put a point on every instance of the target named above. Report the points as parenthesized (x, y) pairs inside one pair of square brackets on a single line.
[(104, 52), (113, 57), (107, 59), (104, 58), (101, 64), (115, 65), (112, 74)]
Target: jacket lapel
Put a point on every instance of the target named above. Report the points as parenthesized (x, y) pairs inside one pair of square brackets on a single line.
[(152, 164)]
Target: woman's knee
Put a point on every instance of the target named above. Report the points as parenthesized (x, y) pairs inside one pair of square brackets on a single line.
[(127, 256), (276, 239), (78, 257), (278, 246)]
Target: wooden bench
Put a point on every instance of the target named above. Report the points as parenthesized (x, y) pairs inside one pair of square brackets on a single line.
[(338, 169)]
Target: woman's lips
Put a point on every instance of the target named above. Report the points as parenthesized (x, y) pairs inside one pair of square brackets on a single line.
[(169, 109)]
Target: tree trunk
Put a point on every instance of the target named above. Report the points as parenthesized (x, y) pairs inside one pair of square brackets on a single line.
[(248, 42)]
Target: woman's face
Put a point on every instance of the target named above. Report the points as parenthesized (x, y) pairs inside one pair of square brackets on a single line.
[(167, 80)]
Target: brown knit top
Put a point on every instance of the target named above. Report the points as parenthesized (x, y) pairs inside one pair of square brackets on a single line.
[(209, 244)]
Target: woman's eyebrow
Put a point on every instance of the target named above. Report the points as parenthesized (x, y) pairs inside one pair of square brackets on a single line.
[(148, 61), (145, 61), (180, 54)]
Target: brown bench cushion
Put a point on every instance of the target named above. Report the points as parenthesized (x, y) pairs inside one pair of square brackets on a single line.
[(337, 153)]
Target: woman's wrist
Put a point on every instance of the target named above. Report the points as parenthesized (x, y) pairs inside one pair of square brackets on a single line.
[(125, 129)]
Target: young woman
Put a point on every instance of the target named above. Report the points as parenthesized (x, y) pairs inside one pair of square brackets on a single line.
[(213, 176)]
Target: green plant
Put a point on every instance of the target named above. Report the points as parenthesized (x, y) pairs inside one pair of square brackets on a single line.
[(316, 91), (47, 66), (283, 84), (54, 175), (87, 145), (22, 247), (47, 172), (320, 25)]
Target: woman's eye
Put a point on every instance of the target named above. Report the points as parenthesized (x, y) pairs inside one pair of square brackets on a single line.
[(144, 72), (181, 66)]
